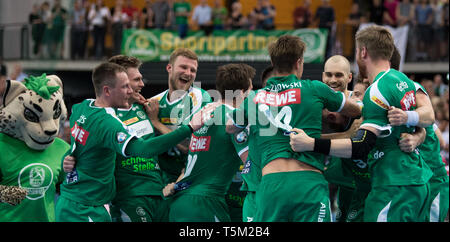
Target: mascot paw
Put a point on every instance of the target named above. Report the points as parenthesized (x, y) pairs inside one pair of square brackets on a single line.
[(12, 195)]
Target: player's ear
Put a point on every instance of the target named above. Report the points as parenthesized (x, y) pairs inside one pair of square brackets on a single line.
[(106, 91), (331, 117), (169, 68)]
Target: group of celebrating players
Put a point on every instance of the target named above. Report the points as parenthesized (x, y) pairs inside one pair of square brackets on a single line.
[(289, 140)]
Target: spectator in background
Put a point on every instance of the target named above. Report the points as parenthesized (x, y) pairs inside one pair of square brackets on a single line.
[(236, 20), (147, 16), (133, 14), (439, 46), (439, 86), (424, 19), (354, 18), (264, 12), (325, 18), (37, 29), (390, 15), (17, 73), (162, 16), (353, 21), (302, 15), (120, 20), (173, 25), (46, 16), (78, 31), (58, 26), (99, 16), (376, 12), (202, 17), (405, 16), (441, 110), (182, 10), (445, 21), (219, 15)]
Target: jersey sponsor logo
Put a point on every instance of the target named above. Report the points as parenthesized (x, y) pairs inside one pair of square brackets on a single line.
[(194, 99), (199, 143), (81, 135), (378, 102), (121, 137), (402, 86), (82, 119), (131, 121), (141, 128), (408, 101), (72, 177), (169, 120), (247, 167), (291, 96)]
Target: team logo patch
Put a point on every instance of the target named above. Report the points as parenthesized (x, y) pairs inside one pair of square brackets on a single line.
[(121, 137), (241, 137), (140, 114)]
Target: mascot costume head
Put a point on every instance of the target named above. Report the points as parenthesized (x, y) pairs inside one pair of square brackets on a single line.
[(30, 111)]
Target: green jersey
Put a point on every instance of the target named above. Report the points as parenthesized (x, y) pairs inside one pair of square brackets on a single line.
[(137, 176), (184, 7), (37, 171), (430, 149), (287, 102), (213, 158), (252, 171), (388, 165), (172, 114), (97, 135)]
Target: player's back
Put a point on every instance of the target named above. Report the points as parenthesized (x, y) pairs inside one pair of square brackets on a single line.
[(387, 162), (285, 103), (213, 157)]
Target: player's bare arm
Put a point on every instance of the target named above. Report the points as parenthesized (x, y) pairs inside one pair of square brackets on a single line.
[(423, 116)]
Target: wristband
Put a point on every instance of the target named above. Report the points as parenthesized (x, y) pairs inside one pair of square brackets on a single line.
[(413, 118), (322, 146)]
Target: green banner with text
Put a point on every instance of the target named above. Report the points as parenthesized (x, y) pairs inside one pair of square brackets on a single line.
[(227, 45)]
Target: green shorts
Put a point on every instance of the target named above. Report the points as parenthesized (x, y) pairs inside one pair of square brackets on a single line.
[(396, 204), (197, 208), (355, 211), (249, 207), (140, 209), (299, 196), (69, 211), (437, 205)]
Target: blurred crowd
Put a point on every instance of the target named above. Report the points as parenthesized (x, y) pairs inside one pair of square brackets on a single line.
[(437, 89), (427, 20)]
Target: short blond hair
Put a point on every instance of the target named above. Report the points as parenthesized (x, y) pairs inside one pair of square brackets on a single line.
[(182, 52), (377, 40)]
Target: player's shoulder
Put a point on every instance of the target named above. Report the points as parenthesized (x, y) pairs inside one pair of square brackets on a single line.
[(160, 95)]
